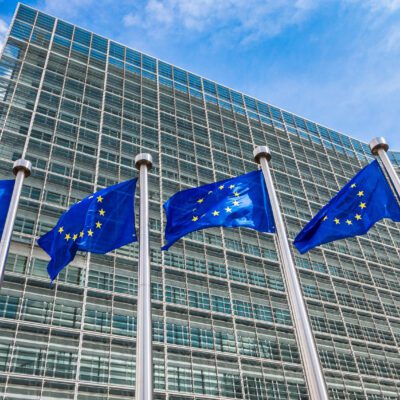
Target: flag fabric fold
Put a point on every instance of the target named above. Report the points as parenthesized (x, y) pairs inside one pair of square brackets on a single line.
[(362, 202), (99, 223), (6, 191), (237, 202)]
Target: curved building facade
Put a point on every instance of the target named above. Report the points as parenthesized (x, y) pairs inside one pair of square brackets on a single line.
[(80, 107)]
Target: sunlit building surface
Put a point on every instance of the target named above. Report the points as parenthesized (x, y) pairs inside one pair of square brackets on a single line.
[(80, 107)]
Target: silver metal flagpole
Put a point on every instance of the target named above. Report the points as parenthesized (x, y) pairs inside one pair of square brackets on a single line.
[(312, 366), (144, 357), (21, 169), (379, 147)]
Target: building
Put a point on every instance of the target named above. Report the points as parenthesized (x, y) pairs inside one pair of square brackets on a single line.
[(80, 107)]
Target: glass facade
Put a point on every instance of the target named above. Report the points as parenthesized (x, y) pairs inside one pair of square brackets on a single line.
[(80, 107)]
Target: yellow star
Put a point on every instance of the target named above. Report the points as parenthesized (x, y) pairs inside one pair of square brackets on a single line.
[(363, 205), (358, 217), (98, 224), (353, 185), (348, 222), (325, 218), (90, 232), (74, 237), (360, 193), (221, 187), (200, 200), (67, 237), (236, 194), (194, 219), (337, 221), (231, 186), (216, 213), (60, 229), (99, 199), (102, 212), (235, 203), (228, 209), (81, 233)]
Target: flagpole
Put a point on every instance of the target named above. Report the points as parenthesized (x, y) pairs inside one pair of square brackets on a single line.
[(144, 358), (379, 147), (311, 363), (21, 169)]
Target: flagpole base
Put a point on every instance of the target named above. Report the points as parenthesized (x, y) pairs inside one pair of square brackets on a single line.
[(378, 143), (261, 151), (22, 165)]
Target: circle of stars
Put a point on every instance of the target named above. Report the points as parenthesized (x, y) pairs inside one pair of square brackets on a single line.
[(90, 232), (358, 217), (216, 213)]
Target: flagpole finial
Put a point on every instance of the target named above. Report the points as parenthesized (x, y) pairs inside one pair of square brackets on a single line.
[(143, 158), (261, 151), (378, 143), (379, 148), (22, 165)]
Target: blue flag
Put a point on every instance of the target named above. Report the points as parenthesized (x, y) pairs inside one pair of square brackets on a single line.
[(363, 201), (99, 223), (6, 190), (241, 201)]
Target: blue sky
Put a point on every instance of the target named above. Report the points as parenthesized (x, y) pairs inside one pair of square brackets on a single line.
[(336, 62)]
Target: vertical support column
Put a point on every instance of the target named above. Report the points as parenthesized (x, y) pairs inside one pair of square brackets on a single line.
[(144, 356), (379, 147), (21, 169), (311, 363)]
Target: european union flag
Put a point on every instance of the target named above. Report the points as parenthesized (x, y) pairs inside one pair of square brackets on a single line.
[(6, 190), (366, 199), (241, 201), (99, 223)]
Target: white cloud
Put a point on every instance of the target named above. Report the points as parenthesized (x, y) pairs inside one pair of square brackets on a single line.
[(382, 18), (380, 5), (247, 20), (66, 9), (357, 92), (3, 32), (239, 21), (391, 42)]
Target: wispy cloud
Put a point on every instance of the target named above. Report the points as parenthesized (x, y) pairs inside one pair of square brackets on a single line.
[(356, 87), (3, 32), (243, 20), (379, 5), (67, 9)]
